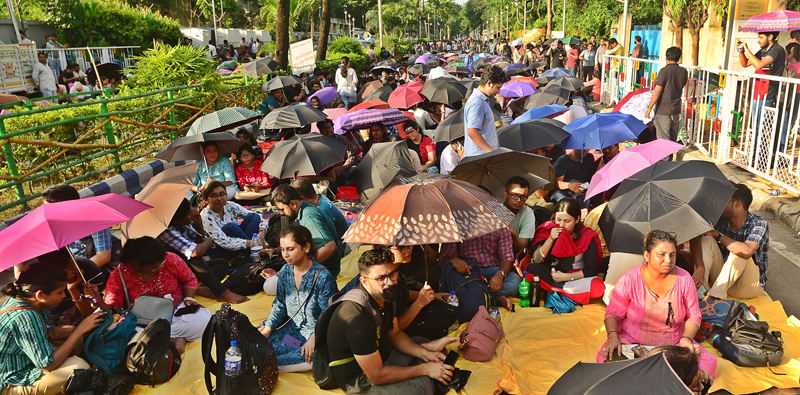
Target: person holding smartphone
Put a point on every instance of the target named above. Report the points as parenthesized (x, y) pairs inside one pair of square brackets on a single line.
[(451, 156)]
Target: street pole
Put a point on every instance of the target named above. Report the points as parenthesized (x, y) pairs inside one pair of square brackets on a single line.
[(380, 21), (622, 36), (10, 5), (564, 19)]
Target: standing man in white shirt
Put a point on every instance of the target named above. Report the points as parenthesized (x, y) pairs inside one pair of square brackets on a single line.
[(46, 80)]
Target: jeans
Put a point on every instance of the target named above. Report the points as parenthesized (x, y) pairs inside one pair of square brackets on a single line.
[(571, 71), (561, 194), (421, 385), (510, 283), (48, 93), (349, 98), (245, 230)]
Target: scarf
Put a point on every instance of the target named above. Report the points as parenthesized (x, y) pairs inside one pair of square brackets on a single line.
[(565, 246)]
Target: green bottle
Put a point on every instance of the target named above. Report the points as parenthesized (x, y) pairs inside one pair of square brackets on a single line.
[(524, 291)]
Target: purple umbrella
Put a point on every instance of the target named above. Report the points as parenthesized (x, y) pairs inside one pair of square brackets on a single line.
[(363, 119), (517, 89), (422, 59), (324, 95), (514, 66)]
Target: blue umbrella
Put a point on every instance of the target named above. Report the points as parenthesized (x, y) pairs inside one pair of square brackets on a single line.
[(602, 130), (556, 72), (514, 66), (540, 112)]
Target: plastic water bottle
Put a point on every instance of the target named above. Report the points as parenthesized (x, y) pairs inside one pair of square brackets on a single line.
[(495, 314), (452, 299), (524, 291), (233, 360), (255, 248), (535, 292), (775, 192)]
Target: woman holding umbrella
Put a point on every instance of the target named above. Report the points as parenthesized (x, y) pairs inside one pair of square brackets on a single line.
[(215, 169)]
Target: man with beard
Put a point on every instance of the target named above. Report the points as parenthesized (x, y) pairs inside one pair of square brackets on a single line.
[(370, 359), (524, 225), (291, 205)]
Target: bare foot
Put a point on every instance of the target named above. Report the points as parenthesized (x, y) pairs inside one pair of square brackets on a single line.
[(205, 292), (180, 344), (231, 297), (439, 344), (506, 302)]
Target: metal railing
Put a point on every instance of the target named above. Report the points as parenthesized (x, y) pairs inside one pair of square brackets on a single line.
[(730, 116), (60, 58)]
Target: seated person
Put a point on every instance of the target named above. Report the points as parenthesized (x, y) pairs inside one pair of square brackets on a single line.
[(451, 156), (148, 269), (572, 171), (304, 290), (383, 359), (274, 100), (732, 259), (524, 225), (541, 196), (249, 138), (314, 102), (305, 188), (215, 169), (184, 237), (377, 134), (656, 304), (594, 86), (221, 222), (29, 362), (684, 363), (251, 177), (343, 171), (559, 259), (80, 88), (291, 205), (422, 146)]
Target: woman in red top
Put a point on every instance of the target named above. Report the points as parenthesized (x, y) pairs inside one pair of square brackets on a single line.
[(251, 177), (423, 146)]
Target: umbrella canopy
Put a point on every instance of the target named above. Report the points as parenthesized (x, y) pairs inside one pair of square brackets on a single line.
[(164, 192), (368, 88), (260, 66), (493, 169), (379, 166), (540, 112), (502, 64), (622, 377), (529, 135), (517, 89), (547, 96), (682, 197), (405, 96), (190, 147), (294, 116), (569, 83), (571, 41), (424, 211), (444, 90), (387, 63), (381, 94), (601, 130), (556, 72), (222, 120), (502, 59), (550, 41), (453, 126), (325, 95), (775, 21), (471, 85), (363, 119), (375, 104), (514, 66), (379, 69), (420, 68), (458, 70), (422, 59), (303, 155), (482, 62), (416, 86), (279, 82), (629, 162), (635, 103), (55, 225)]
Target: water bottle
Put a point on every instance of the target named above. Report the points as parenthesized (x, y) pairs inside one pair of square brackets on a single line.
[(495, 314), (524, 291), (255, 248), (535, 292), (452, 299), (775, 192), (233, 360)]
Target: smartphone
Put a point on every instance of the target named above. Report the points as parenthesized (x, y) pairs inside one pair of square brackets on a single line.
[(452, 358), (292, 342)]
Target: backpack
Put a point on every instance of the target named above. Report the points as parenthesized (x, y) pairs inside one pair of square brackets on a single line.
[(471, 290), (748, 342), (105, 346), (247, 280), (320, 360), (150, 357), (259, 362)]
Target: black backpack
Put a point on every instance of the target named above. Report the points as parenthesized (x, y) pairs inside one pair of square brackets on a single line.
[(150, 358), (246, 280), (748, 343), (259, 362)]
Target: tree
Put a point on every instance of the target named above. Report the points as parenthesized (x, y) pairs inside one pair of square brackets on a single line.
[(691, 14), (324, 29), (282, 33)]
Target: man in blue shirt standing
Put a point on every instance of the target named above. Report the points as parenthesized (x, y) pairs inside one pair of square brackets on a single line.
[(481, 134)]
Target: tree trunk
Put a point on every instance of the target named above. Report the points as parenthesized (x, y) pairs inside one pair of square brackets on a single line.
[(549, 29), (324, 29), (282, 34), (678, 30), (695, 33)]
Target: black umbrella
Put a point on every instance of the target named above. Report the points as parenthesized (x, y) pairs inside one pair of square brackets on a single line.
[(686, 198), (453, 126), (303, 155), (105, 70), (533, 134), (222, 120), (380, 69), (482, 62), (569, 82), (444, 90), (260, 66), (294, 116), (381, 93), (279, 82), (547, 96), (550, 42), (380, 165), (420, 68), (493, 169), (651, 375), (191, 147), (387, 63), (471, 85)]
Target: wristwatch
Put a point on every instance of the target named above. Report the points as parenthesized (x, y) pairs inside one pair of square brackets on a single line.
[(503, 273), (718, 236), (572, 278)]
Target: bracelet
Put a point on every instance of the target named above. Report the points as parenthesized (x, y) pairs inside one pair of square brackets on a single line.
[(189, 298), (687, 337), (610, 332)]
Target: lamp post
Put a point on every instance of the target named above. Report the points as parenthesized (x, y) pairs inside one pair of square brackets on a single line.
[(347, 27), (507, 35)]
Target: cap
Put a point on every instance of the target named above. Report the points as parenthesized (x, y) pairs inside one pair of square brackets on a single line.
[(234, 343)]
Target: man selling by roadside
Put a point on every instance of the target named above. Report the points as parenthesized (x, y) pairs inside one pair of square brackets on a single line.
[(481, 133), (667, 96)]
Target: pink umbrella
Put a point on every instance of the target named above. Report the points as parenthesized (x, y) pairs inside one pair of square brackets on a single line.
[(55, 225), (629, 162), (416, 86), (333, 115), (775, 21)]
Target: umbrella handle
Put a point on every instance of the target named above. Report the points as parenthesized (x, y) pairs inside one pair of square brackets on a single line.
[(203, 154), (76, 265)]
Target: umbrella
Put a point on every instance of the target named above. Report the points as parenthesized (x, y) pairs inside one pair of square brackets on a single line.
[(56, 225), (514, 66), (380, 69), (416, 86), (260, 66), (493, 169), (548, 96), (303, 155), (222, 120), (453, 126), (459, 64), (601, 130), (387, 63), (444, 90), (540, 112), (419, 68), (481, 55), (428, 211), (375, 104), (569, 82), (629, 162), (502, 64), (279, 82), (333, 114), (635, 103), (294, 116), (556, 72), (571, 41), (381, 93), (325, 95), (775, 21), (368, 88), (437, 72), (458, 70), (379, 166), (363, 119), (516, 89), (529, 135), (422, 59), (404, 97), (471, 84), (550, 41), (482, 62), (164, 192), (535, 65), (682, 197), (623, 377), (190, 147), (502, 59)]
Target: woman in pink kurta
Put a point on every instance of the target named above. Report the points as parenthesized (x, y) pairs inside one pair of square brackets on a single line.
[(655, 304)]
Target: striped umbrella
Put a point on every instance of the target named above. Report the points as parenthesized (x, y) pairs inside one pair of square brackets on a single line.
[(261, 66), (222, 120), (776, 21), (363, 119)]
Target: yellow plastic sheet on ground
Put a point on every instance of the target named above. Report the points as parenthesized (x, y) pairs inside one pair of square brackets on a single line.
[(539, 347)]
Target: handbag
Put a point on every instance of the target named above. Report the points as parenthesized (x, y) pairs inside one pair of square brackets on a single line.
[(481, 338), (147, 308)]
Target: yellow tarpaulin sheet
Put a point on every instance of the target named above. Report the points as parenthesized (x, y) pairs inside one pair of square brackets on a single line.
[(539, 347)]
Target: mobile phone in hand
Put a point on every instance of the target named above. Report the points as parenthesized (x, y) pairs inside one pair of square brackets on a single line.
[(452, 358)]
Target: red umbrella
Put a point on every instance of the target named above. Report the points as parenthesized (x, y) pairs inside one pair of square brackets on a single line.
[(378, 104), (404, 97), (416, 86), (530, 80)]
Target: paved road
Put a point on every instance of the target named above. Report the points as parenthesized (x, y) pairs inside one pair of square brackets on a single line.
[(783, 282)]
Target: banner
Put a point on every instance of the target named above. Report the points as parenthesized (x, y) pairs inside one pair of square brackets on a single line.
[(301, 56)]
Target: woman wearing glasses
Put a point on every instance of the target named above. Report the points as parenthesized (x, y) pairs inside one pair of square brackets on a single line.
[(221, 221), (422, 146), (656, 304), (251, 177)]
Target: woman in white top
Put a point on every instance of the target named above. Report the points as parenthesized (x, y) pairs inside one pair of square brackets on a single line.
[(346, 81)]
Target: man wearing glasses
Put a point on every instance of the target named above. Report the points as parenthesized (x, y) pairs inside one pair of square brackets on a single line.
[(524, 225)]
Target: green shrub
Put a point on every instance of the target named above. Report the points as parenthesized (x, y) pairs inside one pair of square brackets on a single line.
[(345, 45), (166, 66), (358, 61), (404, 45)]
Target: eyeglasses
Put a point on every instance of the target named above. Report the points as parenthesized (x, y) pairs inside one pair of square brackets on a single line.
[(518, 197), (221, 195), (381, 280), (246, 155), (660, 234)]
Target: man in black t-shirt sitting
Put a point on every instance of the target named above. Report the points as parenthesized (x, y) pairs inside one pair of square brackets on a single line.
[(381, 360), (573, 173)]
